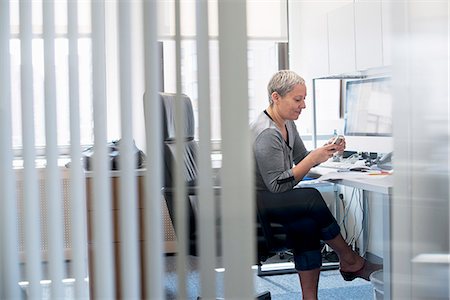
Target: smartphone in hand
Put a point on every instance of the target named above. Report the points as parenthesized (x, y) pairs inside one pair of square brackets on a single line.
[(338, 140)]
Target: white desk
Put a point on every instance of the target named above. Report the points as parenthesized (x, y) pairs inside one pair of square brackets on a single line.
[(368, 183)]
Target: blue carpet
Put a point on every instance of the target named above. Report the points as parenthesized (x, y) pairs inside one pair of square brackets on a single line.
[(331, 287), (282, 287)]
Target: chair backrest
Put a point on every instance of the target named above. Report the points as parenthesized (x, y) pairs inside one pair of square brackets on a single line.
[(190, 150), (168, 116), (190, 169)]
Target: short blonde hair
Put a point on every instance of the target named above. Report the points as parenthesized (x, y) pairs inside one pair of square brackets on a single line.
[(283, 82)]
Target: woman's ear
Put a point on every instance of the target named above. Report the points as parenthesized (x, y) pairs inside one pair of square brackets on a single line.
[(275, 97)]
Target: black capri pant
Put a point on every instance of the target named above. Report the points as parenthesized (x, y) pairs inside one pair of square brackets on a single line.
[(306, 219)]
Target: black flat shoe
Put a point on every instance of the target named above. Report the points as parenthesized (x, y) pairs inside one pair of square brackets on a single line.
[(364, 273)]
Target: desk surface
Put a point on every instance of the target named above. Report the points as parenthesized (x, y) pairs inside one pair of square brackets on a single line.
[(378, 183)]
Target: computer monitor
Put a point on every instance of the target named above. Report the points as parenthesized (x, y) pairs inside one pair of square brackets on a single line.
[(368, 114), (368, 107)]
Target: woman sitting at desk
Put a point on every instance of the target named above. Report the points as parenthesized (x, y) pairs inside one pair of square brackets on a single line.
[(302, 211)]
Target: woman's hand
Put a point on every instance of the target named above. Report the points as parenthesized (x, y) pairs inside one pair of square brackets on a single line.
[(339, 140), (323, 153), (316, 157)]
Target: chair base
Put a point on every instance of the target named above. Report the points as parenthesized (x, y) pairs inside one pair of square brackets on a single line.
[(278, 264), (264, 296), (261, 296), (283, 263)]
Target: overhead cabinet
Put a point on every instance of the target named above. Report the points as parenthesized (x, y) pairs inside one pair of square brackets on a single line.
[(355, 37), (341, 40), (368, 35)]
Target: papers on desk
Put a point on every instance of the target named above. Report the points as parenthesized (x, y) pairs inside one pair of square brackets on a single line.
[(340, 175), (378, 181)]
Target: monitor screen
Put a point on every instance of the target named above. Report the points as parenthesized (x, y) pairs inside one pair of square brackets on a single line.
[(368, 107)]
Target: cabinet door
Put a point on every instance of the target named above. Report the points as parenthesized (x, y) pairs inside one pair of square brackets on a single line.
[(341, 36), (386, 28), (317, 47), (368, 34)]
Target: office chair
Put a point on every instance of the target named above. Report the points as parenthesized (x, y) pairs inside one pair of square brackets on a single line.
[(190, 168), (277, 248), (273, 244)]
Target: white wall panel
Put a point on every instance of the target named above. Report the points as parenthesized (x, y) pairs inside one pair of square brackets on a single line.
[(420, 207)]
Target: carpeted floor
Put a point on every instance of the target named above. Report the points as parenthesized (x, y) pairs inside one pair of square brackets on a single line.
[(331, 286), (282, 287)]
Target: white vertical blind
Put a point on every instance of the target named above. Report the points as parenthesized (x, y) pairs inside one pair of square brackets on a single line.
[(130, 274), (153, 247), (9, 262), (237, 211), (104, 275), (30, 186), (206, 211), (53, 191), (77, 186), (238, 196), (180, 187)]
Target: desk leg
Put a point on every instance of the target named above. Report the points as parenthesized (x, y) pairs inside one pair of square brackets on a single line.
[(386, 240), (337, 203), (386, 248), (365, 223)]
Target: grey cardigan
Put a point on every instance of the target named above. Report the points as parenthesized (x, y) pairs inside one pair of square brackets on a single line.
[(274, 157)]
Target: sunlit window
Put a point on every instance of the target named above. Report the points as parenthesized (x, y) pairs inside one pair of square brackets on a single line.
[(62, 94), (262, 63), (259, 75)]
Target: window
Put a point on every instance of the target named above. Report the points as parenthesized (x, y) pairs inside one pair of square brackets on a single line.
[(259, 75), (328, 112), (62, 95), (262, 46), (61, 69)]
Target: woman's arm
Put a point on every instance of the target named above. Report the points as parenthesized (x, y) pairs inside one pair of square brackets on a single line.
[(314, 158), (305, 160)]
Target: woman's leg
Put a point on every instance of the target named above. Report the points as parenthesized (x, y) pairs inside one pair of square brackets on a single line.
[(307, 203), (349, 260), (309, 281), (351, 264), (293, 210)]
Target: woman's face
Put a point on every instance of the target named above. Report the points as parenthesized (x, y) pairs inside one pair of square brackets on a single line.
[(291, 105)]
